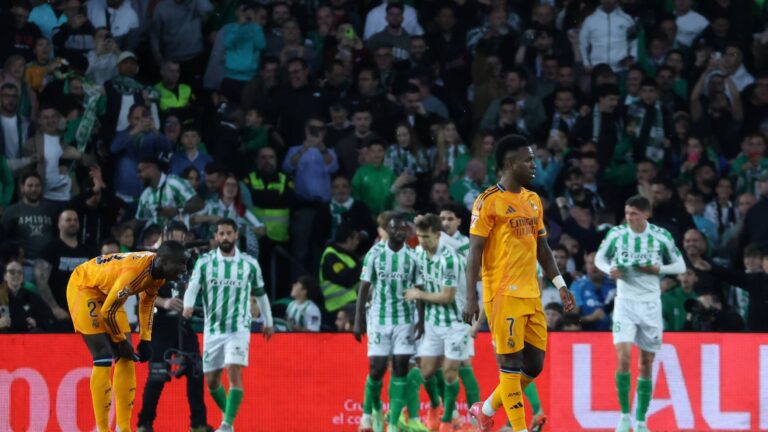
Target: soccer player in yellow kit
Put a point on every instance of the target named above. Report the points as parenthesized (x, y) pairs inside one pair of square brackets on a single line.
[(507, 235), (96, 292)]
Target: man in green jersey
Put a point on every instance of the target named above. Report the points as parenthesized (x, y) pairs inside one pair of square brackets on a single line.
[(390, 268), (636, 255), (228, 278)]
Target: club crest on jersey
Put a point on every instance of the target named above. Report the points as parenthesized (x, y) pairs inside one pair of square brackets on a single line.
[(510, 210), (123, 293), (534, 206), (510, 342)]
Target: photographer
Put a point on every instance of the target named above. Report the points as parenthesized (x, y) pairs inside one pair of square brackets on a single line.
[(174, 343), (707, 315)]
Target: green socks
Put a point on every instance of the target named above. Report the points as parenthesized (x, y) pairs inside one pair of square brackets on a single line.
[(471, 387), (622, 388), (372, 398), (449, 401), (397, 389), (440, 381), (644, 391), (220, 397), (430, 386), (415, 380), (234, 398), (531, 392)]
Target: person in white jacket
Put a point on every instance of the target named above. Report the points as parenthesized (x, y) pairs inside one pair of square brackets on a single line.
[(376, 20), (608, 36)]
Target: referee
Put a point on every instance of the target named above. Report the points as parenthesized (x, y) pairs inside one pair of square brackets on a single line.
[(173, 338)]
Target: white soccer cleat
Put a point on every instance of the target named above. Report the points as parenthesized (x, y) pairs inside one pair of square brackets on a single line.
[(624, 424), (641, 427), (225, 428), (366, 424)]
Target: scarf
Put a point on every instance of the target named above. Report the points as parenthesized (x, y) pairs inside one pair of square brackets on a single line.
[(337, 211), (650, 133), (127, 85)]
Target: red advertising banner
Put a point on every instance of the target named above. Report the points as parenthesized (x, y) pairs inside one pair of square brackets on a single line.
[(299, 382)]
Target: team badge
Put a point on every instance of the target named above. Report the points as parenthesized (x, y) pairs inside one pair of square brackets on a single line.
[(534, 206)]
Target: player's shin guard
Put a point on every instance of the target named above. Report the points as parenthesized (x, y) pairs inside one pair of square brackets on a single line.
[(101, 391), (532, 393), (234, 398), (430, 386), (449, 400), (397, 386), (220, 397), (372, 399), (512, 398), (415, 380), (125, 392), (471, 388), (622, 390), (644, 391)]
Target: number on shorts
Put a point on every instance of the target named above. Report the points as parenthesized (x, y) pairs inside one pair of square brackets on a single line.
[(377, 338), (92, 307), (617, 327), (511, 325)]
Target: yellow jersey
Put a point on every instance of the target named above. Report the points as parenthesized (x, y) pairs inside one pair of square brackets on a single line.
[(512, 223), (116, 277)]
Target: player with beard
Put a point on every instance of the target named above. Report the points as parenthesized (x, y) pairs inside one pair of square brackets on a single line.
[(228, 279), (507, 238)]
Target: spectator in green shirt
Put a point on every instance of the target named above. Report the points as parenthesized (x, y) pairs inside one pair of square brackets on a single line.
[(673, 301), (373, 181), (466, 189)]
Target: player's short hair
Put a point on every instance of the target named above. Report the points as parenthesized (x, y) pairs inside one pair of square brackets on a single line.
[(172, 249), (428, 222), (396, 216), (309, 284), (506, 144), (382, 220), (226, 221), (454, 208), (753, 250), (639, 202)]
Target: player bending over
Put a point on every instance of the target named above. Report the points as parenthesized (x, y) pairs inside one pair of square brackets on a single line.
[(228, 279), (96, 292), (507, 235), (636, 254), (390, 268)]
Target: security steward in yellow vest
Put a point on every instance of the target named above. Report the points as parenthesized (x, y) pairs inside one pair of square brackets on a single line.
[(272, 195), (172, 94), (340, 269)]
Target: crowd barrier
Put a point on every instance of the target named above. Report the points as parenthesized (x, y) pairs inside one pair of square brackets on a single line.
[(314, 382)]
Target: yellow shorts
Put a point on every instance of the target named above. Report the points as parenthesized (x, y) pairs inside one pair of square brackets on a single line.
[(515, 322), (85, 309)]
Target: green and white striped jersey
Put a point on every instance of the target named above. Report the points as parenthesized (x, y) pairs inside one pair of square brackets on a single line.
[(626, 250), (390, 274), (305, 315), (172, 191), (227, 284), (445, 269), (458, 241)]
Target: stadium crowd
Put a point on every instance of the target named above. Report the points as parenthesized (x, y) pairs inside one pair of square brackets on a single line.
[(309, 121)]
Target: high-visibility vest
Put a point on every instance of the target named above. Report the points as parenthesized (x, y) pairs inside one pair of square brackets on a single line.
[(337, 296), (275, 220), (173, 99)]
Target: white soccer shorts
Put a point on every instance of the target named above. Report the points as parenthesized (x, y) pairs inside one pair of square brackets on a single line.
[(224, 349), (386, 340), (638, 322), (453, 342)]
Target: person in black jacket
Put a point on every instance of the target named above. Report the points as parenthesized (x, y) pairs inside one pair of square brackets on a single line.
[(21, 310), (343, 209), (98, 210), (756, 284)]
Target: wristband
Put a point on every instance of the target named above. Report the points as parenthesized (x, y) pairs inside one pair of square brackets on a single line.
[(559, 282)]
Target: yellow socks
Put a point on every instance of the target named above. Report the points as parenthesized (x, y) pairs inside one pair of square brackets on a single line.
[(512, 398), (125, 391), (101, 392)]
